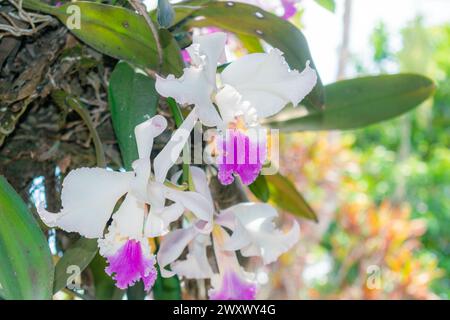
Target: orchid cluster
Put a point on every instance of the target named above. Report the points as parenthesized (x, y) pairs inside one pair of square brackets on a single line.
[(128, 211)]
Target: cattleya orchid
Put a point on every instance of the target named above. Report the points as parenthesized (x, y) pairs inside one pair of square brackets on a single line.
[(253, 87), (252, 232), (89, 196)]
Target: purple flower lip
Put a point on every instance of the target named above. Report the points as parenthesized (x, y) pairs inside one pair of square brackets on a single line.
[(129, 265), (289, 8), (185, 55), (238, 154), (233, 288)]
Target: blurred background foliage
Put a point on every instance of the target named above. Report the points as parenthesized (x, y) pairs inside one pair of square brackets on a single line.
[(382, 193)]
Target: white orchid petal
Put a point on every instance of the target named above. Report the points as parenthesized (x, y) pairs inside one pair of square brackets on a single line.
[(198, 82), (265, 80), (196, 265), (254, 223), (200, 206), (150, 5), (158, 220), (88, 198), (139, 184), (201, 183), (230, 104), (129, 218), (240, 238), (199, 179), (171, 151), (172, 212), (156, 197), (192, 88), (208, 49), (251, 250), (155, 226), (226, 219), (172, 246), (146, 132)]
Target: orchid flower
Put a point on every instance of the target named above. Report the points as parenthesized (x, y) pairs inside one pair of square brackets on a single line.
[(252, 232), (289, 8), (253, 87), (89, 196)]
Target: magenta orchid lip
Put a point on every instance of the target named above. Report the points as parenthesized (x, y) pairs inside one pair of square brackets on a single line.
[(240, 155), (129, 265)]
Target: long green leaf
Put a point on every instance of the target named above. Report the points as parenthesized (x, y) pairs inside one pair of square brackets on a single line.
[(356, 103), (285, 196), (117, 32), (26, 268), (249, 20), (132, 100), (80, 254)]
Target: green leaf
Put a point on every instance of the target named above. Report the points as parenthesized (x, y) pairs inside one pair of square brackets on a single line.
[(105, 288), (26, 268), (327, 4), (167, 288), (79, 254), (357, 103), (244, 19), (117, 32), (132, 100), (165, 13), (251, 43), (136, 292), (285, 196), (184, 9), (260, 188)]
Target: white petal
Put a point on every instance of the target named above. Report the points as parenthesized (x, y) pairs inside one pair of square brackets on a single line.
[(146, 132), (171, 151), (139, 184), (230, 104), (265, 80), (256, 233), (156, 197), (207, 50), (111, 242), (240, 238), (199, 179), (192, 88), (200, 206), (158, 221), (201, 183), (150, 5), (172, 246), (196, 265), (129, 219), (199, 81), (88, 198)]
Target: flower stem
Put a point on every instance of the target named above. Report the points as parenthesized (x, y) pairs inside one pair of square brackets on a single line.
[(178, 117)]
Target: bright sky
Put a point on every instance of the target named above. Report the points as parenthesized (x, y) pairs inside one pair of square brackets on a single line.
[(324, 29)]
